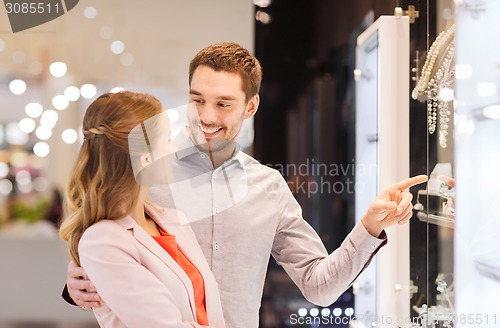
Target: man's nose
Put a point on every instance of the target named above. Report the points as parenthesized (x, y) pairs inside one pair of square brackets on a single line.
[(208, 114)]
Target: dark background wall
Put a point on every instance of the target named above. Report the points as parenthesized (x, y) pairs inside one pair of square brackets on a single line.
[(307, 115)]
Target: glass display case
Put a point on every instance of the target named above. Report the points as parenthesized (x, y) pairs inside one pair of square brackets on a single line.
[(432, 230), (453, 261)]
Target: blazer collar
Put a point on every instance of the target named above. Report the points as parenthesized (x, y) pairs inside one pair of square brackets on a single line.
[(147, 241), (176, 223)]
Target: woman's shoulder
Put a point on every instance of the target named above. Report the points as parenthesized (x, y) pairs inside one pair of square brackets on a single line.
[(106, 228), (107, 241)]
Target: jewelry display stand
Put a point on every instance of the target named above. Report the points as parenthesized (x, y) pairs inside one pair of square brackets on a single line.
[(438, 199), (382, 149), (447, 221)]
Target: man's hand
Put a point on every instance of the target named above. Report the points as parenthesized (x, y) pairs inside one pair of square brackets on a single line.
[(392, 205), (80, 288)]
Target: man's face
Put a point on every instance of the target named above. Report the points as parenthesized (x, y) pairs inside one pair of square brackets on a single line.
[(221, 107)]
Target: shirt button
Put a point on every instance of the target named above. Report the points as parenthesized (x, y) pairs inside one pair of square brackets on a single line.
[(216, 210), (202, 155), (374, 246), (216, 246)]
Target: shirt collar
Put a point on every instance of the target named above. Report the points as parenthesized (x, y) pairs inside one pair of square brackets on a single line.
[(186, 148)]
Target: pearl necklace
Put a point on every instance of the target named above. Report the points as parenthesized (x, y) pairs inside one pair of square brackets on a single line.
[(438, 73)]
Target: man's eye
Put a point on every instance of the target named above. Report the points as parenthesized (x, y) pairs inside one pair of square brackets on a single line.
[(198, 101), (223, 105)]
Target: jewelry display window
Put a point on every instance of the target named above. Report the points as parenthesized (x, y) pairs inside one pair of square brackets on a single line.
[(459, 283), (413, 280), (432, 229)]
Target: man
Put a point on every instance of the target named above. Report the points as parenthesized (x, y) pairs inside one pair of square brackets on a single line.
[(242, 211)]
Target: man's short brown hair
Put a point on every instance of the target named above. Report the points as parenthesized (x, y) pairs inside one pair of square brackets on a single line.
[(233, 58)]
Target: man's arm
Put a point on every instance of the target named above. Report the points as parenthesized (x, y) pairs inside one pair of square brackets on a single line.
[(322, 278), (79, 290)]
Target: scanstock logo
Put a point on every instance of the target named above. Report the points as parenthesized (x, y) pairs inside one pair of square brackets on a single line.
[(25, 14)]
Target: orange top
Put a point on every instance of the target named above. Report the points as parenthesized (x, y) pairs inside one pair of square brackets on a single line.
[(168, 242)]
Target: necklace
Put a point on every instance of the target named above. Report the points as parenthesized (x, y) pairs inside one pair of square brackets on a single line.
[(438, 75)]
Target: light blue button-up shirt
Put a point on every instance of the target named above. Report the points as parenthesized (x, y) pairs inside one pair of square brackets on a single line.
[(242, 212)]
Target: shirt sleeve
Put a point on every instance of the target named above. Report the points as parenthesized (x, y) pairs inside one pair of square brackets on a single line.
[(321, 277), (130, 291), (65, 295)]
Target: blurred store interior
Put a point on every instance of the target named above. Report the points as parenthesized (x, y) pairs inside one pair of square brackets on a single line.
[(99, 45)]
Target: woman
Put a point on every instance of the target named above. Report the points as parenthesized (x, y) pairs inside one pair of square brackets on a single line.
[(145, 264)]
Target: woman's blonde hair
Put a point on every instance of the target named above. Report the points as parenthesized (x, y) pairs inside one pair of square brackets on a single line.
[(102, 185)]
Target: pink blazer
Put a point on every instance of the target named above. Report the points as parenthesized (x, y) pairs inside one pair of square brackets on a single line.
[(141, 285)]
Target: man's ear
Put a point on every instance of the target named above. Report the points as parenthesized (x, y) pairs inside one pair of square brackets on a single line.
[(252, 106)]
